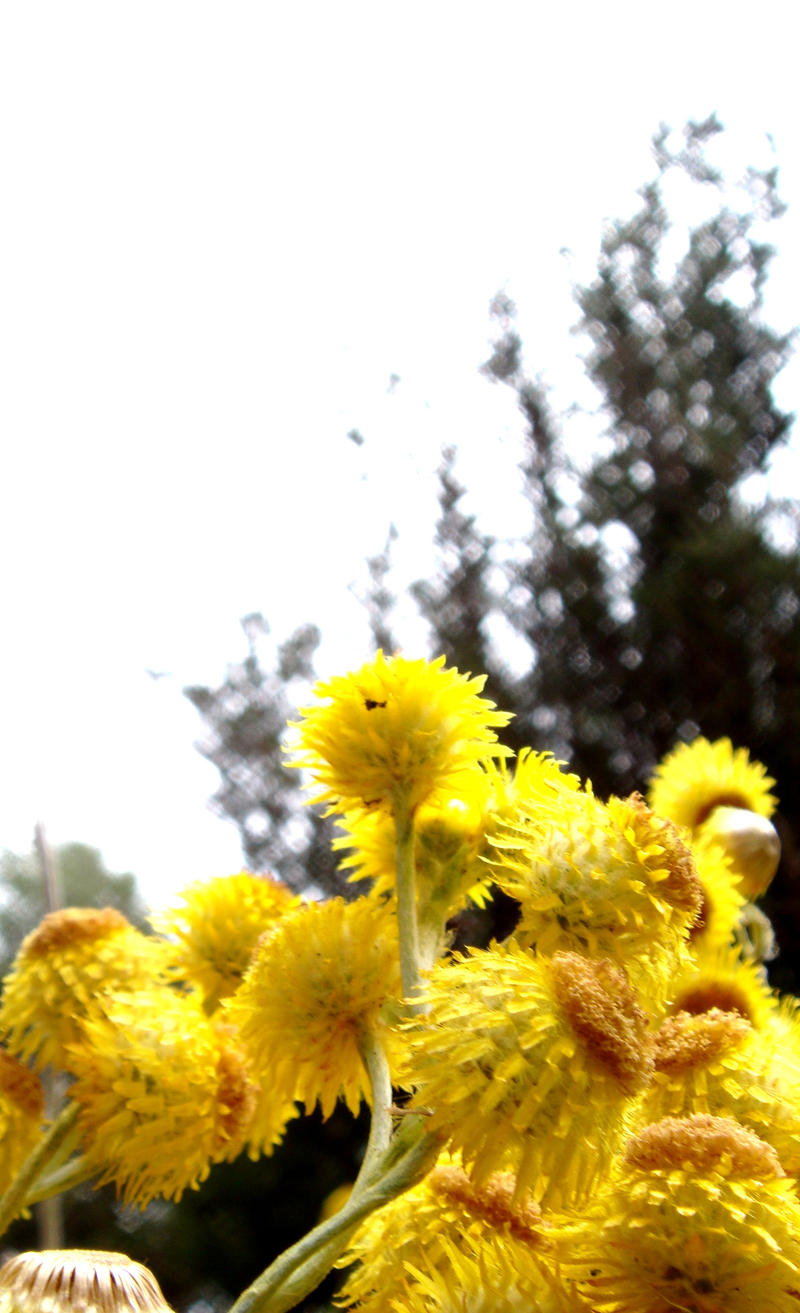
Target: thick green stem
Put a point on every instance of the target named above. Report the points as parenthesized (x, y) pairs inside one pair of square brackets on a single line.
[(373, 1055), (300, 1269), (17, 1195), (406, 885)]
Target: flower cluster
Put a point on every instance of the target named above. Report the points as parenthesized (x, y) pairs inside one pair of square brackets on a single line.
[(598, 1113)]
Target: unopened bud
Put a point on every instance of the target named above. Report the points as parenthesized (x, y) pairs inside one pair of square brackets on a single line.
[(79, 1280), (752, 844)]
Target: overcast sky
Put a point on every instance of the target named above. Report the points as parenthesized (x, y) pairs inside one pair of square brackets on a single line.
[(224, 229)]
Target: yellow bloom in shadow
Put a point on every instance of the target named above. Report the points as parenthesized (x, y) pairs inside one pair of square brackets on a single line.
[(163, 1093), (394, 733), (63, 970), (21, 1116), (317, 983), (217, 925)]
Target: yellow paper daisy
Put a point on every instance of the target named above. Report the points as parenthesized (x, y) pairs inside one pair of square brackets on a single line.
[(715, 929), (78, 1281), (62, 971), (724, 980), (163, 1093), (607, 879), (530, 1064), (702, 1220), (395, 733), (21, 1115), (696, 777), (315, 988), (447, 1241), (217, 925)]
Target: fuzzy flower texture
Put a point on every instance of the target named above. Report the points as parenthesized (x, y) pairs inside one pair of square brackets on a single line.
[(601, 1106)]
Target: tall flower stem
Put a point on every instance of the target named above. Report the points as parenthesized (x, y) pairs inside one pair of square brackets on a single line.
[(373, 1056), (406, 886), (297, 1271), (16, 1196)]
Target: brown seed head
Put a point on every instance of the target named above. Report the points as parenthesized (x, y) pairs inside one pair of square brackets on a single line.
[(493, 1201), (73, 925), (78, 1281), (688, 1040), (701, 1144), (602, 1009)]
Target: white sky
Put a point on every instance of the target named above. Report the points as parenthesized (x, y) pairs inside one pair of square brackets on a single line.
[(223, 228)]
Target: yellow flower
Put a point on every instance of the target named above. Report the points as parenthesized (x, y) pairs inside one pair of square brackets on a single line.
[(316, 985), (696, 777), (61, 972), (716, 1062), (530, 1064), (715, 929), (78, 1281), (394, 733), (702, 1220), (446, 1242), (163, 1093), (218, 925), (607, 879), (449, 838), (724, 980), (21, 1115)]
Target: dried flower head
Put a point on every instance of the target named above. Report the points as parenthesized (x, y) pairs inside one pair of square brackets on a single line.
[(78, 1281), (394, 733)]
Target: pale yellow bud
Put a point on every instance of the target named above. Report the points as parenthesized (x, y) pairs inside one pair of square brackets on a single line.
[(80, 1280), (750, 841)]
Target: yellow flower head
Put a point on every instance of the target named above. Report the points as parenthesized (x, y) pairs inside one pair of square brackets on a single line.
[(316, 986), (163, 1093), (21, 1115), (726, 981), (696, 777), (218, 925), (447, 1241), (78, 1281), (61, 972), (702, 1220), (449, 839), (608, 879), (530, 1064), (722, 903), (394, 733)]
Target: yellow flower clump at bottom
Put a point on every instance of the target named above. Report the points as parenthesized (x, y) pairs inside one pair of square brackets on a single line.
[(62, 971), (163, 1093), (316, 986), (447, 1246), (395, 732), (701, 1220), (530, 1064)]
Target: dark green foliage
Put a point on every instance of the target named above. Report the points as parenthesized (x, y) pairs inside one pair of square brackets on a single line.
[(84, 880), (246, 720)]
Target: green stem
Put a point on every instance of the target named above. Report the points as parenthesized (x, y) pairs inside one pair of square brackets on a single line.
[(406, 885), (73, 1173), (373, 1055), (297, 1271), (16, 1197)]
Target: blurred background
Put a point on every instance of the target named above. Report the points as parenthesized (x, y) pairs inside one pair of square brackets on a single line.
[(340, 327)]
